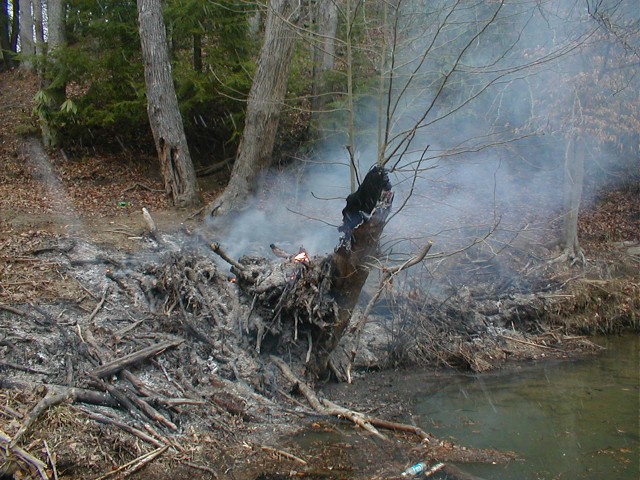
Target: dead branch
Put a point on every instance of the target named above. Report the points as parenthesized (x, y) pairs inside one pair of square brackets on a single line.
[(283, 454), (24, 456), (52, 460), (123, 426), (200, 467), (215, 246), (135, 464), (123, 362), (9, 308), (22, 368), (49, 400), (95, 311), (387, 275), (74, 394), (120, 397), (149, 411), (325, 407)]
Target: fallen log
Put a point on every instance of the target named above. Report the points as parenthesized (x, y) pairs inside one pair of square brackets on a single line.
[(121, 363)]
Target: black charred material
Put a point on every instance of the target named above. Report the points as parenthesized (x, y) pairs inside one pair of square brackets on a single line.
[(363, 201)]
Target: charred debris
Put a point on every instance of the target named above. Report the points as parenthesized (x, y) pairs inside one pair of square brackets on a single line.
[(172, 344)]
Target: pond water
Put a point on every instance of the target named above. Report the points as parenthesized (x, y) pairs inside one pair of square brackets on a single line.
[(573, 420), (565, 419)]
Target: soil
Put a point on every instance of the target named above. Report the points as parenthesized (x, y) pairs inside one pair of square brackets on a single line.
[(71, 219)]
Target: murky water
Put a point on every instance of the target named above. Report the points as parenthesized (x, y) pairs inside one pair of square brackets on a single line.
[(574, 420), (566, 420)]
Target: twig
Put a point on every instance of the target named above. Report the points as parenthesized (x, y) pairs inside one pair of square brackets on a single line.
[(283, 454), (135, 464), (524, 342), (25, 456), (325, 407), (74, 394), (99, 305), (200, 467), (22, 368), (215, 246), (123, 426), (123, 362), (52, 460), (149, 411), (11, 309)]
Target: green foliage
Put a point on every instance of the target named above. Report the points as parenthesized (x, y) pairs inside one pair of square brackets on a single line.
[(103, 70), (212, 94)]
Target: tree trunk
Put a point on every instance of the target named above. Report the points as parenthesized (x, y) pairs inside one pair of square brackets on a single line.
[(39, 32), (164, 113), (5, 36), (27, 46), (573, 182), (264, 104), (15, 27), (324, 50), (53, 81)]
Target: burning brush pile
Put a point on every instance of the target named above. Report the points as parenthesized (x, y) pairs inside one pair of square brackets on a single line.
[(163, 346), (166, 354)]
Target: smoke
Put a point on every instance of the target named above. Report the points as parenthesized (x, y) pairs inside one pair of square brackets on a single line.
[(483, 100)]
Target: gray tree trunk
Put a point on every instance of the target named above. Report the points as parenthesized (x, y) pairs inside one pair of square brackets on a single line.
[(573, 182), (324, 50), (5, 29), (264, 104), (162, 106), (53, 81), (27, 45), (38, 28)]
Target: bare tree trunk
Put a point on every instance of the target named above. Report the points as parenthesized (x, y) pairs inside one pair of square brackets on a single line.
[(267, 93), (15, 27), (39, 31), (164, 113), (5, 30), (324, 50), (573, 182), (53, 81), (27, 46)]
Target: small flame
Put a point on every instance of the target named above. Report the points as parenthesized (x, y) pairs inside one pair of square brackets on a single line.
[(302, 257), (232, 279)]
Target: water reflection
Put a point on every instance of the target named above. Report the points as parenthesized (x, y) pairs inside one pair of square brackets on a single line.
[(567, 420)]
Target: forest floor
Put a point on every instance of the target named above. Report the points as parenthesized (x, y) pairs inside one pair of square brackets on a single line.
[(47, 198)]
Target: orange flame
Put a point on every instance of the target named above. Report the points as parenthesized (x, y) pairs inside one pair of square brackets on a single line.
[(302, 257)]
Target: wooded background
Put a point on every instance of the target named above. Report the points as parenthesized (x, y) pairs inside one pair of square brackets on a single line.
[(404, 84)]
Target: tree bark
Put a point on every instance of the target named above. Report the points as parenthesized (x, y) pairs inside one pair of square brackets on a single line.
[(324, 49), (15, 27), (5, 30), (264, 104), (27, 45), (573, 183), (38, 29), (162, 106), (53, 80)]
